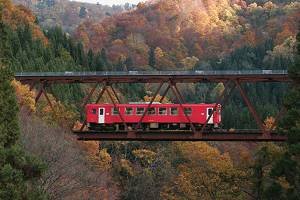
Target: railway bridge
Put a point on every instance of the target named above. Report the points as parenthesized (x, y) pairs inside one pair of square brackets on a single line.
[(232, 80)]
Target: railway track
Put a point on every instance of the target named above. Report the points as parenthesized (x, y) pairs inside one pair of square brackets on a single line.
[(182, 135)]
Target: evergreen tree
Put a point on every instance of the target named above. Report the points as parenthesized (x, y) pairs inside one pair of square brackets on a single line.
[(98, 63), (82, 12), (151, 60), (287, 168), (128, 63), (16, 168), (90, 59), (104, 58), (4, 45)]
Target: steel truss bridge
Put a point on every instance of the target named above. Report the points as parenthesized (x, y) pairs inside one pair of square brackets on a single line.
[(231, 79)]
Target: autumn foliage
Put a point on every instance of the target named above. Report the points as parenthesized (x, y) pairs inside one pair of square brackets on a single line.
[(184, 32), (17, 16)]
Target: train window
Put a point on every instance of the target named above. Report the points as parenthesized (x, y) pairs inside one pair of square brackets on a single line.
[(210, 111), (94, 111), (174, 111), (162, 111), (140, 111), (188, 111), (151, 111), (101, 111), (115, 111), (128, 111)]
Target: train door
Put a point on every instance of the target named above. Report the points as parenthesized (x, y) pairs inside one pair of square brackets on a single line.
[(209, 111), (101, 115)]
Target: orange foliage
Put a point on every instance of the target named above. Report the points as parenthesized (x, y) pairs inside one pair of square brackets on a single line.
[(285, 33), (117, 50), (19, 15), (250, 38), (77, 126), (186, 28), (25, 97)]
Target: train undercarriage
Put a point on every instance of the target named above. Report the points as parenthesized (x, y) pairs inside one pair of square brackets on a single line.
[(149, 126)]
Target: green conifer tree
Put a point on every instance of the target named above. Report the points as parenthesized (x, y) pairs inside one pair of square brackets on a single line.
[(287, 168), (151, 60), (17, 170)]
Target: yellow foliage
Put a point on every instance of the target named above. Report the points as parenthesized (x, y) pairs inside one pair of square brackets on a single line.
[(189, 62), (60, 114), (148, 98), (145, 156), (25, 97), (207, 174), (219, 89), (105, 159), (158, 52), (269, 121), (136, 43), (274, 150), (269, 5), (125, 168), (118, 42), (284, 183)]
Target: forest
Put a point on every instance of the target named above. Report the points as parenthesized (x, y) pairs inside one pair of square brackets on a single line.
[(156, 35)]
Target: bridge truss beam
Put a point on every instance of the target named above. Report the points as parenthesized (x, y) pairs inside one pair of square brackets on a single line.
[(231, 81)]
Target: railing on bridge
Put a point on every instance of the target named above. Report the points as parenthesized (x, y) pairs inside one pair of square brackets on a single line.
[(153, 73)]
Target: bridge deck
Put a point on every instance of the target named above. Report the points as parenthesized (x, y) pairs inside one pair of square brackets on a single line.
[(154, 76), (219, 135)]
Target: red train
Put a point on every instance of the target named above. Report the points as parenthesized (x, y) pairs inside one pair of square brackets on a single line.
[(158, 116)]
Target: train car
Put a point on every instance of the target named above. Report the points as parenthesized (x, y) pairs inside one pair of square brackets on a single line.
[(158, 116)]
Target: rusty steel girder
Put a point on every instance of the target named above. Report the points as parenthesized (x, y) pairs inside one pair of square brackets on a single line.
[(221, 135), (231, 80)]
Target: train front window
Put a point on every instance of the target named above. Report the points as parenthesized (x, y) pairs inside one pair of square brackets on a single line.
[(129, 111), (140, 111), (162, 111), (94, 111), (174, 111), (151, 111), (115, 111), (188, 111)]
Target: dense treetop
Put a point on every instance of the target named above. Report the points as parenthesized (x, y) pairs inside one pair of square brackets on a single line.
[(68, 14), (191, 30)]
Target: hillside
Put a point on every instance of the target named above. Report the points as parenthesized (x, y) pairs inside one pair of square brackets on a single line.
[(67, 14), (68, 169), (180, 34), (158, 35), (71, 172)]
